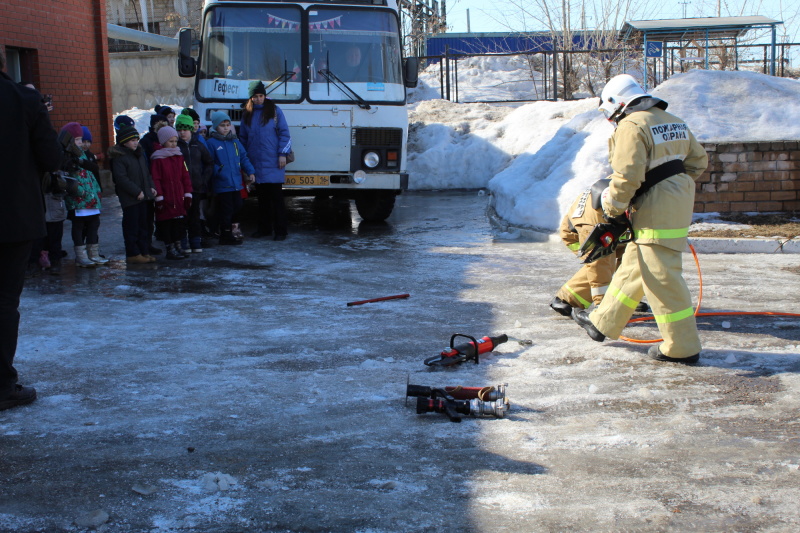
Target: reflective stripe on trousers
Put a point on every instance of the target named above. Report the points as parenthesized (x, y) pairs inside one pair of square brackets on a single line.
[(577, 296), (654, 271)]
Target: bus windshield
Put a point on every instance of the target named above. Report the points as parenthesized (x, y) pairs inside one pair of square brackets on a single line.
[(360, 47), (244, 44)]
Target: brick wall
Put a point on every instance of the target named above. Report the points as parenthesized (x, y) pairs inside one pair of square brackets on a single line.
[(754, 176), (67, 40)]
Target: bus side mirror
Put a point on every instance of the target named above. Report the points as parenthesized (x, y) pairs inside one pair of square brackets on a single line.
[(187, 66), (410, 71)]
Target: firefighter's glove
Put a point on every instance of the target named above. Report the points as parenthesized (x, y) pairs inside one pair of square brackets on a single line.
[(611, 207), (604, 239)]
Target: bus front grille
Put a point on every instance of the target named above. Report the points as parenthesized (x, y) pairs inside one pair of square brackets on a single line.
[(377, 137)]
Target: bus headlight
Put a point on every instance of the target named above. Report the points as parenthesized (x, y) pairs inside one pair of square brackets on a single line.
[(359, 176), (371, 159)]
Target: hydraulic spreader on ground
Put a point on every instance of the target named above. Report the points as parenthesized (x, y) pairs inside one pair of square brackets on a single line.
[(468, 351)]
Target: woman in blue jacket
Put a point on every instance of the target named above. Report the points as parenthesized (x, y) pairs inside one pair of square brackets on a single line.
[(265, 134), (230, 159)]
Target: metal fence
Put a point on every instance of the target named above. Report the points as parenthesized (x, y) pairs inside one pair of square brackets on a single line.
[(575, 74)]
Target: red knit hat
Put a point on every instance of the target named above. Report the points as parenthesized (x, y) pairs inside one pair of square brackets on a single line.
[(74, 129)]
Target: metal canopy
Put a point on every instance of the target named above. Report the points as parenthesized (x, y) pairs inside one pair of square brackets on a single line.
[(697, 29), (671, 30)]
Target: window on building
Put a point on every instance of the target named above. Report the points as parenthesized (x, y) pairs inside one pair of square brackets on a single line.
[(22, 64), (12, 64)]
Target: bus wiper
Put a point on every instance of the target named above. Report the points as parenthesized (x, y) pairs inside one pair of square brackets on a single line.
[(335, 80), (280, 80)]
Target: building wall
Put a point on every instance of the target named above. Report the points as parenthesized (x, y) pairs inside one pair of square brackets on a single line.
[(167, 15), (751, 177), (144, 79), (65, 42)]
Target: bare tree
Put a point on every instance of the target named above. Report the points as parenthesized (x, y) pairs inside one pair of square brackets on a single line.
[(591, 28)]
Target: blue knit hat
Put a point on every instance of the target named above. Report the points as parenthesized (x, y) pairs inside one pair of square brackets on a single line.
[(87, 135), (164, 110), (123, 120), (218, 117)]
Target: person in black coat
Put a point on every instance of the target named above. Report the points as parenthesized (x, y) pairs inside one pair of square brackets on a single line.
[(148, 142), (201, 167), (28, 148), (135, 190)]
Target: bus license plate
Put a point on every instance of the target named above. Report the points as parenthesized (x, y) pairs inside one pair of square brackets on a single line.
[(311, 181)]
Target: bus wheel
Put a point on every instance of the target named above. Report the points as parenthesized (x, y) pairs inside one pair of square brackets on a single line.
[(375, 206)]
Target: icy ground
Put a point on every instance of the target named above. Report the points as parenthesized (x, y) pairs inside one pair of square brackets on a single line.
[(236, 391)]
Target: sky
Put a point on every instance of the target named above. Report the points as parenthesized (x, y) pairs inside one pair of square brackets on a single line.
[(504, 16)]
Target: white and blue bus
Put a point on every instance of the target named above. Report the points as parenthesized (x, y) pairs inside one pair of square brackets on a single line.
[(336, 69)]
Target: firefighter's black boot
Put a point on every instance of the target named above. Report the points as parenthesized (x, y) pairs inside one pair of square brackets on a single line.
[(561, 307), (655, 353), (582, 318)]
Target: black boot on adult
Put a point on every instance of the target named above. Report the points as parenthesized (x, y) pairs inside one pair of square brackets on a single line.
[(655, 353), (561, 307), (582, 318), (19, 395)]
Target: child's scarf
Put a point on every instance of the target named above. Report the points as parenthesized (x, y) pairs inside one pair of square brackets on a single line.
[(163, 153)]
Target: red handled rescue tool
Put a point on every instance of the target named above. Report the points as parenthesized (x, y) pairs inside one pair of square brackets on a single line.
[(441, 402), (486, 394), (466, 351), (604, 239)]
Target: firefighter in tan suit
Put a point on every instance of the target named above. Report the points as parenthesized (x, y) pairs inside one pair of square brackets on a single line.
[(655, 160), (590, 283)]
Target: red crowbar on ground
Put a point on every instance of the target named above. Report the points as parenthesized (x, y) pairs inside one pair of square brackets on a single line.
[(395, 297)]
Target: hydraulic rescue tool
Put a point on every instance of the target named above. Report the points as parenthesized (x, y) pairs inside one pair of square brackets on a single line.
[(605, 237), (466, 351), (486, 394), (440, 401)]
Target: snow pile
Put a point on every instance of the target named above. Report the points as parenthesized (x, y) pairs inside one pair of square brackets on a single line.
[(725, 106), (538, 157), (494, 78)]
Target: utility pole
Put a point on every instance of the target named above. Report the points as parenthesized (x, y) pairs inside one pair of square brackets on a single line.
[(684, 7), (421, 18)]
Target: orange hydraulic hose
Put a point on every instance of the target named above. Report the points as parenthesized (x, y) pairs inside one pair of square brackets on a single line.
[(697, 310)]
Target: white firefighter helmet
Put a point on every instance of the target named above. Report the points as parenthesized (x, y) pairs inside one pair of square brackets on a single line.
[(617, 95)]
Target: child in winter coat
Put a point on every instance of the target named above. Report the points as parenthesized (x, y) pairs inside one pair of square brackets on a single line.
[(92, 164), (174, 191), (82, 200), (46, 253), (55, 214), (135, 190), (230, 158), (201, 166)]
